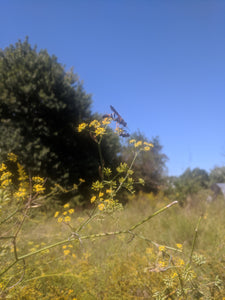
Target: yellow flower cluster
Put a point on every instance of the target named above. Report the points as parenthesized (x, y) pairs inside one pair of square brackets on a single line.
[(142, 146), (65, 215), (97, 128), (67, 250), (38, 186)]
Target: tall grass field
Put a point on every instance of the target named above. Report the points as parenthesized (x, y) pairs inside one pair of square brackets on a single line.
[(157, 261)]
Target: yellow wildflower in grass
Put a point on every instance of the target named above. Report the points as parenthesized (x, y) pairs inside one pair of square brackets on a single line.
[(71, 211), (162, 264), (38, 188), (81, 180), (162, 248), (93, 198), (56, 214), (67, 205), (12, 157), (64, 246), (101, 206), (70, 246), (66, 252), (179, 246), (3, 167), (67, 219), (82, 126), (65, 213), (174, 275), (95, 123), (60, 220), (100, 194)]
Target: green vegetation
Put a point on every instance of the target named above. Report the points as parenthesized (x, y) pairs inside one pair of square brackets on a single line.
[(41, 105), (149, 248)]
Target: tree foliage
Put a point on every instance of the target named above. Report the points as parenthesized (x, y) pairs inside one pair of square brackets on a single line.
[(190, 182), (41, 106)]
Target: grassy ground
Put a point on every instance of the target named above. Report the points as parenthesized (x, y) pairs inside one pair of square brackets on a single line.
[(155, 263)]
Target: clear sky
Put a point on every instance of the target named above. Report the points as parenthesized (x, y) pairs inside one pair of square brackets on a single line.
[(160, 63)]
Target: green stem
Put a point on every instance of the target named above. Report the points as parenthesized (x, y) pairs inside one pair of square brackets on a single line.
[(91, 236), (131, 165), (153, 215), (10, 216), (194, 241), (101, 159)]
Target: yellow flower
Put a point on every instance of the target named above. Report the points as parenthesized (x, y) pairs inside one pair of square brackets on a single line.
[(66, 252), (101, 206), (22, 192), (64, 246), (162, 264), (106, 121), (38, 188), (60, 220), (99, 131), (22, 174), (12, 157), (162, 248), (65, 213), (70, 246), (82, 126), (67, 219), (74, 255), (147, 148), (95, 123), (132, 141), (179, 246), (109, 191), (38, 179), (56, 214), (137, 144), (66, 205), (3, 167), (93, 198), (5, 175), (6, 183), (81, 180), (174, 275), (71, 211), (100, 194)]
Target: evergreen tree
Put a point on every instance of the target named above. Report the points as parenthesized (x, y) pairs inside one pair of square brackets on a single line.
[(41, 106)]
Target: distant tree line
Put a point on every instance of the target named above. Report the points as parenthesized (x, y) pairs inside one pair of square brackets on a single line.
[(41, 106), (192, 181)]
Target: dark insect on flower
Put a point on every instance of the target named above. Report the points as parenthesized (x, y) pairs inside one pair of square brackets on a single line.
[(118, 119)]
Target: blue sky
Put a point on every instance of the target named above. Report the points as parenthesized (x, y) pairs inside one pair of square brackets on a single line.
[(160, 63)]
